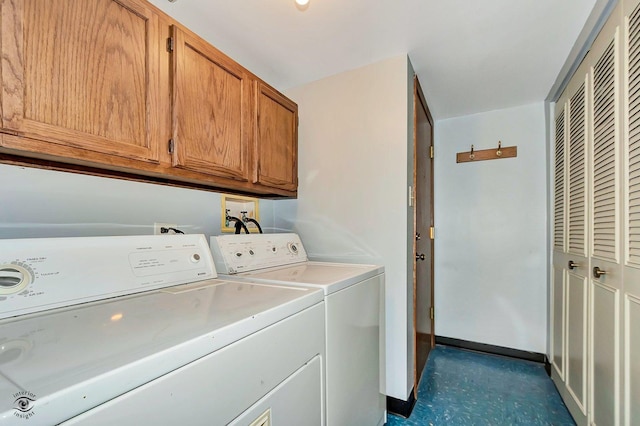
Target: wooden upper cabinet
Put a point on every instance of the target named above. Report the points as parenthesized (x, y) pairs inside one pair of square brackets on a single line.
[(82, 74), (91, 83), (276, 149), (211, 109)]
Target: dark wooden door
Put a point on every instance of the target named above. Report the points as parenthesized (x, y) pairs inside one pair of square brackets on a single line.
[(423, 205)]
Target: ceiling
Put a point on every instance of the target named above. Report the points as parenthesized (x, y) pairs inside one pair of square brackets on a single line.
[(470, 55)]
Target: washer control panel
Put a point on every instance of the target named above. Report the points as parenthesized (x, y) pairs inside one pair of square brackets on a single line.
[(44, 273), (235, 253)]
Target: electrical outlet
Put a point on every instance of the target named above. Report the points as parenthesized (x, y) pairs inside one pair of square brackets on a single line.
[(158, 225)]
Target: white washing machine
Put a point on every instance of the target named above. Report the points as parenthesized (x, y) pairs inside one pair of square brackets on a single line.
[(138, 330), (354, 303)]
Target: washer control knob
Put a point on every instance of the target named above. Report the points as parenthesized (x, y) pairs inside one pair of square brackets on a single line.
[(195, 258), (274, 249), (293, 248), (251, 252), (238, 254), (13, 278)]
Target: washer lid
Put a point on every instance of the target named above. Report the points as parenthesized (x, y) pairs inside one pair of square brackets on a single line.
[(330, 277), (70, 360)]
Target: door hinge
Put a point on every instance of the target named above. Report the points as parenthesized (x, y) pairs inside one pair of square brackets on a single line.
[(432, 312), (172, 146), (411, 196), (170, 44), (432, 233), (431, 152)]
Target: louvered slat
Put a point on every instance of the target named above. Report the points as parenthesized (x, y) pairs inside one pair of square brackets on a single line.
[(604, 157), (559, 190), (633, 149), (577, 172)]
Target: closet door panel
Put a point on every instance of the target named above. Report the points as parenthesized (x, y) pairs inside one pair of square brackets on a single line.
[(632, 355), (577, 340), (631, 220), (558, 321), (570, 321), (605, 356), (577, 196), (604, 229), (560, 259), (559, 184)]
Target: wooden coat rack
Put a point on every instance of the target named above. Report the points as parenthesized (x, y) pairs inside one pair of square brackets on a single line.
[(487, 154)]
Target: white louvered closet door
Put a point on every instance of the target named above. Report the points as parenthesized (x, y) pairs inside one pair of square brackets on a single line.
[(577, 290), (558, 282), (605, 289), (569, 301), (631, 221)]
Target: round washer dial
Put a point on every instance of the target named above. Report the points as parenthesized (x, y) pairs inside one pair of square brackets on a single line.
[(13, 278), (293, 248)]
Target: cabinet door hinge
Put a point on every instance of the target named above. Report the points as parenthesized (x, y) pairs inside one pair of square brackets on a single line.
[(431, 152), (432, 313), (172, 146), (432, 233), (170, 44), (411, 196)]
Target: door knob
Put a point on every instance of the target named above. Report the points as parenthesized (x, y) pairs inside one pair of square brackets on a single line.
[(419, 256), (597, 272), (572, 265)]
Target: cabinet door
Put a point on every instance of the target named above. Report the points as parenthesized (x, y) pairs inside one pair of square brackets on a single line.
[(211, 109), (276, 155), (81, 74)]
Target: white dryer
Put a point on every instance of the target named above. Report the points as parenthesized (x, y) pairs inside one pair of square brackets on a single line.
[(354, 304), (138, 330)]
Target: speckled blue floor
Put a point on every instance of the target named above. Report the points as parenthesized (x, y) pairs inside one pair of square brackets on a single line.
[(461, 387)]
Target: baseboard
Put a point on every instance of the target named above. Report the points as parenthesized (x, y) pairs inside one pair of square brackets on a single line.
[(400, 407), (495, 350), (547, 366)]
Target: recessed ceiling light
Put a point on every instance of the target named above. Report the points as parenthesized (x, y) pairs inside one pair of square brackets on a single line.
[(302, 2)]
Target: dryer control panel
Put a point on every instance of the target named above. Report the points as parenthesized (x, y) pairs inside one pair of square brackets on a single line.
[(44, 273), (239, 253)]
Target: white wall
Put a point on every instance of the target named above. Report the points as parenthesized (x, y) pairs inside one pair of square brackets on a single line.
[(491, 230), (44, 203), (353, 187)]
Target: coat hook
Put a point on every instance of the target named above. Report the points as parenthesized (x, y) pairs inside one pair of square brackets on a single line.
[(499, 152), (472, 155)]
